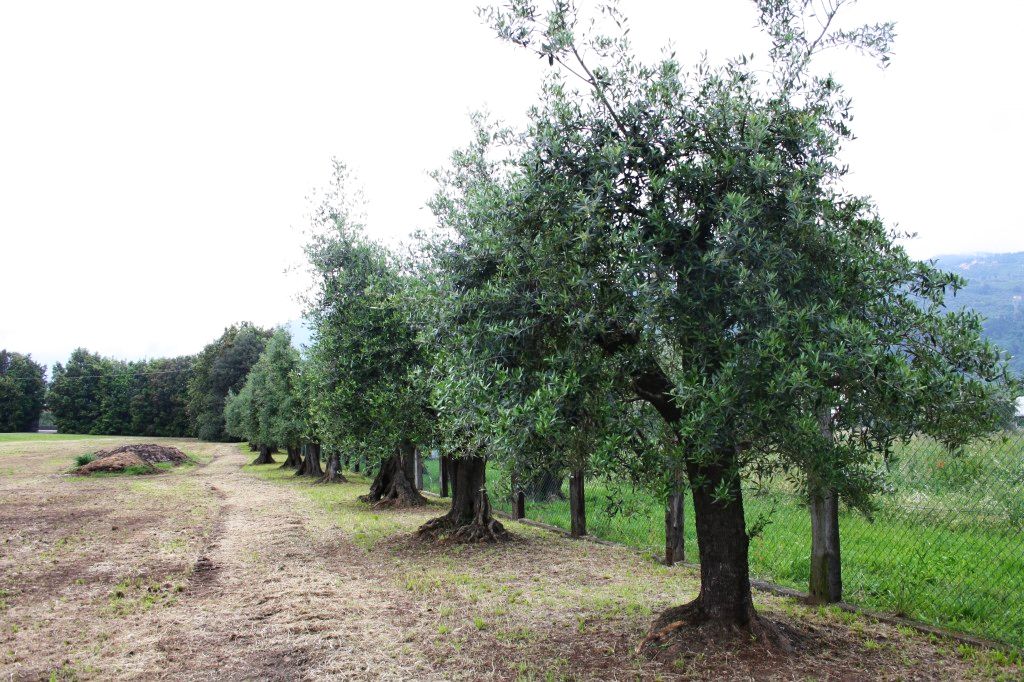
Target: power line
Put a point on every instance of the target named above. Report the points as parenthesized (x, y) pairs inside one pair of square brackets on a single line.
[(102, 376)]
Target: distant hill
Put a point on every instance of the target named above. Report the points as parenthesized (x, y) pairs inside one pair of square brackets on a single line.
[(995, 288)]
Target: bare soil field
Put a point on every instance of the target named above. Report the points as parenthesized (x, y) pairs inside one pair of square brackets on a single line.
[(226, 571)]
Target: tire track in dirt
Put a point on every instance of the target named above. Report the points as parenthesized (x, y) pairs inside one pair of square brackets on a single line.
[(276, 596)]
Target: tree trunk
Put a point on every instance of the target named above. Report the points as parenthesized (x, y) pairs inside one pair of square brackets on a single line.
[(520, 505), (355, 465), (294, 460), (469, 519), (826, 583), (443, 466), (333, 473), (577, 505), (393, 484), (675, 538), (264, 456), (723, 546), (310, 461), (253, 447)]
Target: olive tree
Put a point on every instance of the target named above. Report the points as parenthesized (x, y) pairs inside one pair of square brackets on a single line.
[(684, 237), (364, 358)]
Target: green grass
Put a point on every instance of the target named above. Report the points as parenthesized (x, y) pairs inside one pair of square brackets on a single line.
[(364, 527), (15, 437), (945, 547)]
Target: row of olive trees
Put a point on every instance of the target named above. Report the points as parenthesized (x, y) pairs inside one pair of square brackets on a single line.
[(660, 279)]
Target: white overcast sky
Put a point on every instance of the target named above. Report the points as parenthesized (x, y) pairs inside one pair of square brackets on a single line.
[(156, 158)]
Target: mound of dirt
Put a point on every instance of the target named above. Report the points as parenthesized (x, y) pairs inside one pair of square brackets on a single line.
[(116, 462), (148, 452), (142, 456)]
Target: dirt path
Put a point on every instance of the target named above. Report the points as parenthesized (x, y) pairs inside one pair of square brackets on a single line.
[(216, 572), (101, 578), (277, 596)]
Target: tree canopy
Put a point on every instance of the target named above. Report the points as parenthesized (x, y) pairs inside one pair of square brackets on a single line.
[(94, 394), (677, 242), (221, 366), (22, 391)]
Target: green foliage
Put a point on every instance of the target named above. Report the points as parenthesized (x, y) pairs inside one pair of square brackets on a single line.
[(268, 409), (96, 395), (223, 365), (665, 262), (22, 391), (158, 402), (82, 460), (75, 395), (363, 373)]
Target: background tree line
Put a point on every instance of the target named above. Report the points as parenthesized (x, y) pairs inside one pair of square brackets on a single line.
[(91, 394), (22, 391)]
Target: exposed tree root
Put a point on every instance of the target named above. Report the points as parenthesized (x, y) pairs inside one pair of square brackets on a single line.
[(447, 528), (688, 629), (264, 456), (403, 501), (333, 473), (392, 487)]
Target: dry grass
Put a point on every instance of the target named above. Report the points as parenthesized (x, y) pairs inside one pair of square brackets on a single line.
[(226, 571)]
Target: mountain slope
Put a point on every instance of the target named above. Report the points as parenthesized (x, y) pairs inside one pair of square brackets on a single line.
[(995, 288)]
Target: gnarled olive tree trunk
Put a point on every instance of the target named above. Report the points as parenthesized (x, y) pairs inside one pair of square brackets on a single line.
[(469, 519), (393, 484), (675, 537), (294, 460), (264, 456), (725, 602), (826, 583), (310, 461), (333, 473)]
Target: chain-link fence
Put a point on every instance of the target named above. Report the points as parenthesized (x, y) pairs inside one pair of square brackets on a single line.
[(945, 545)]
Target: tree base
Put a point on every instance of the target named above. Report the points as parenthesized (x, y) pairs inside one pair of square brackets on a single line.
[(401, 500), (391, 487), (688, 630), (294, 460), (447, 528), (336, 478)]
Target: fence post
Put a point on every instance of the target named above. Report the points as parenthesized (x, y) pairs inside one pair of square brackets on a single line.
[(520, 505), (577, 505), (675, 539), (418, 471)]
